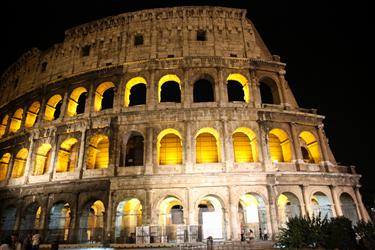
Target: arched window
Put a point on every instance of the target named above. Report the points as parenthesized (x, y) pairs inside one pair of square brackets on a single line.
[(77, 102), (32, 114), (269, 91), (128, 218), (98, 152), (104, 95), (288, 207), (20, 163), (53, 108), (169, 89), (279, 146), (3, 125), (4, 165), (16, 121), (42, 159), (134, 150), (211, 217), (203, 91), (245, 145), (349, 208), (169, 147), (92, 221), (309, 147), (171, 212), (207, 146), (59, 220), (31, 217), (321, 205), (67, 156), (135, 92), (238, 88)]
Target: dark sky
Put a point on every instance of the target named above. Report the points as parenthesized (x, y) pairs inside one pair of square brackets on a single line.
[(325, 45)]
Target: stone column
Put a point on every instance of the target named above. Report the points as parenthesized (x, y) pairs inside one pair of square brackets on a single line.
[(227, 147), (149, 151), (19, 214), (147, 211), (151, 96), (234, 220), (74, 223), (43, 223), (81, 156), (264, 150), (296, 146), (89, 102), (254, 85), (305, 209), (223, 98), (363, 213), (28, 167), (188, 148), (272, 208), (54, 155), (42, 109), (63, 107), (323, 145), (336, 203), (283, 97), (108, 230)]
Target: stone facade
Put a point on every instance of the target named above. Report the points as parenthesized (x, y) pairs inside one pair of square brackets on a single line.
[(292, 170)]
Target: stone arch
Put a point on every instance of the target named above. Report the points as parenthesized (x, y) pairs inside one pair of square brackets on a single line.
[(4, 165), (269, 91), (3, 125), (238, 88), (279, 146), (135, 91), (32, 114), (245, 145), (252, 213), (20, 163), (204, 89), (67, 157), (15, 123), (320, 205), (171, 92), (349, 207), (133, 150), (31, 218), (59, 221), (211, 217), (8, 219), (207, 145), (104, 96), (77, 101), (98, 152), (42, 159), (309, 147), (91, 221), (53, 108), (169, 147), (128, 217), (288, 207)]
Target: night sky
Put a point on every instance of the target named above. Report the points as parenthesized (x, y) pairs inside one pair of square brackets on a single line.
[(325, 45)]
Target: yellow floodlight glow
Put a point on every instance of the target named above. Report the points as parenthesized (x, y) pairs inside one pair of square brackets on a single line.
[(132, 82), (245, 145), (207, 146), (32, 114), (73, 101), (167, 78), (244, 82), (4, 165), (51, 107), (99, 94), (98, 153), (16, 121), (169, 147), (279, 145), (20, 163), (311, 144), (42, 159), (3, 125)]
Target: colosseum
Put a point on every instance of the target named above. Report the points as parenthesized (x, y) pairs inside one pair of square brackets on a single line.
[(162, 125)]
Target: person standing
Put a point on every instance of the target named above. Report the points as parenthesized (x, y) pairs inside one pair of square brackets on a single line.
[(265, 234), (260, 234), (35, 241)]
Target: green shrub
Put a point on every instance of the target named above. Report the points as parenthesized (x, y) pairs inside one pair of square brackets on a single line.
[(339, 233), (366, 232)]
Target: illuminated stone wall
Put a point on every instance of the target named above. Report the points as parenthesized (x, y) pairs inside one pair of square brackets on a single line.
[(73, 137)]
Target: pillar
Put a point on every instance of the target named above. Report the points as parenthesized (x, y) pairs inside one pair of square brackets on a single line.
[(149, 151), (272, 209), (188, 150), (296, 146), (109, 233), (28, 166), (222, 98), (284, 99), (336, 203), (226, 147), (323, 145), (80, 166), (363, 212), (305, 209), (254, 86), (263, 144), (234, 220)]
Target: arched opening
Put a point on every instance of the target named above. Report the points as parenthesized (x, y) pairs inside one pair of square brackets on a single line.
[(253, 215), (238, 88), (269, 91), (279, 146), (211, 218), (134, 150), (207, 147), (171, 219), (169, 89), (135, 92), (3, 125), (8, 220), (288, 207), (321, 205), (4, 165), (309, 147), (98, 152), (42, 159), (31, 218), (128, 218), (67, 156), (59, 222), (16, 121), (53, 108), (32, 114), (77, 102), (104, 95), (20, 163), (245, 145), (203, 91), (91, 223), (349, 208), (169, 147)]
